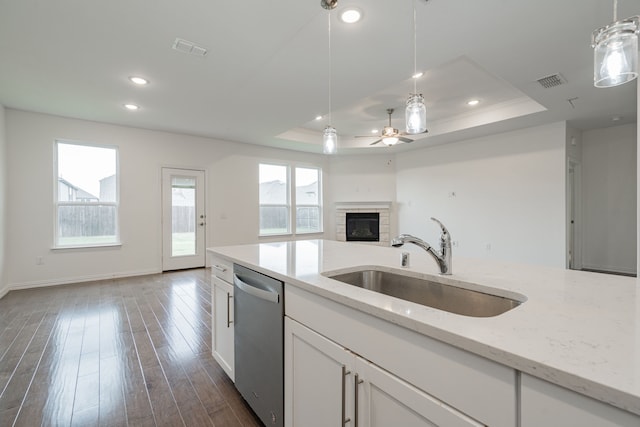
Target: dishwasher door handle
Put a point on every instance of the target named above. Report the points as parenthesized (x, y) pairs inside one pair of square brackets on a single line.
[(256, 292)]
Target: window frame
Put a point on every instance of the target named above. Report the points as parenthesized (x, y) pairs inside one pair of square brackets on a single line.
[(57, 203), (292, 205)]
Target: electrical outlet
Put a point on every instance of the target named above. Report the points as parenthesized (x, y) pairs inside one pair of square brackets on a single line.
[(488, 247)]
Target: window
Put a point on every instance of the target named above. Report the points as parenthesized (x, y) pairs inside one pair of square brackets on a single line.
[(308, 206), (274, 199), (86, 199), (277, 197)]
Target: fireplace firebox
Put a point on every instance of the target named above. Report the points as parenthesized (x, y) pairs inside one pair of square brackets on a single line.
[(362, 227)]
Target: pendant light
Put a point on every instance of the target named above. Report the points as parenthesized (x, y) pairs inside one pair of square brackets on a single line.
[(615, 55), (416, 111), (329, 136)]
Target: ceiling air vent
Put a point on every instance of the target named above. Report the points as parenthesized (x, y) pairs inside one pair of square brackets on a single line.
[(191, 48), (551, 81)]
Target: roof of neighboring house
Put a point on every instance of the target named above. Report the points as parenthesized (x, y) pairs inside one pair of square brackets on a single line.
[(80, 193)]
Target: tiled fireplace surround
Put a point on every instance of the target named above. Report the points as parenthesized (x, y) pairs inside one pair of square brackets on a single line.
[(383, 208)]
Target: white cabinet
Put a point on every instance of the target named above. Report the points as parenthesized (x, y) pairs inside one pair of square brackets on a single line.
[(326, 384), (546, 404), (222, 338), (407, 376), (314, 371)]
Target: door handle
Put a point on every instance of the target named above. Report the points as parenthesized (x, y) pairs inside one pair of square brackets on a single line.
[(256, 292), (229, 321), (345, 420), (358, 381)]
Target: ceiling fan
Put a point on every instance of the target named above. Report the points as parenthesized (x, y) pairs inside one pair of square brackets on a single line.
[(390, 135)]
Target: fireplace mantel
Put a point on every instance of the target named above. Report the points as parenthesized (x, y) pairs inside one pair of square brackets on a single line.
[(363, 205)]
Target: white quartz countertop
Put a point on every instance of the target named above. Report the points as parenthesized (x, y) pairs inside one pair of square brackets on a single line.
[(576, 329)]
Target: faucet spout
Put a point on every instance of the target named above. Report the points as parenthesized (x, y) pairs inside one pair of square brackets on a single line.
[(442, 257)]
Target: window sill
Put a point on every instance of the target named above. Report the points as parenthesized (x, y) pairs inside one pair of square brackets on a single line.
[(260, 236), (106, 245), (290, 235)]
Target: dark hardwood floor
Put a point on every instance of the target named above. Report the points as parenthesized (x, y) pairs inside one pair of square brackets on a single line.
[(121, 352)]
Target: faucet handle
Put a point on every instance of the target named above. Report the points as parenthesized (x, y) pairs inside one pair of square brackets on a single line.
[(445, 232)]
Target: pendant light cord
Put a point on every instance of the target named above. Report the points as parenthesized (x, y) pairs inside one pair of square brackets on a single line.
[(415, 65), (615, 10), (330, 65)]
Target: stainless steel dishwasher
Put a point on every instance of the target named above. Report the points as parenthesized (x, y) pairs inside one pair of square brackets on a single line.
[(259, 343)]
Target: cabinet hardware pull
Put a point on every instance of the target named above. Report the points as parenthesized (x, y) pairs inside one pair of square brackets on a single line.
[(355, 415), (229, 321), (220, 268), (344, 397)]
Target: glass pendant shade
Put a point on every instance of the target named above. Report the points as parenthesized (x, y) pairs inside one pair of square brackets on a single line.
[(416, 114), (329, 140), (616, 53)]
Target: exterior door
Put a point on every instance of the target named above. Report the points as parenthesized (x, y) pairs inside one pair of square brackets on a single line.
[(183, 219)]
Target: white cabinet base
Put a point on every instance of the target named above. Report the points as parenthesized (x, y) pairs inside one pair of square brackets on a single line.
[(222, 338), (546, 404)]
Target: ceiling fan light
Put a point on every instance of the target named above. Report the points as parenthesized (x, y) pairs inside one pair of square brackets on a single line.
[(390, 140), (351, 15), (329, 140), (616, 52), (416, 114)]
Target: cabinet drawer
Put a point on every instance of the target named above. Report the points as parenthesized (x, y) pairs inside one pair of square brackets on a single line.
[(480, 388), (222, 268)]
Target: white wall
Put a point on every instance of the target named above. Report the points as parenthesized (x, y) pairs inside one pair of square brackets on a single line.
[(3, 203), (509, 200), (232, 195), (362, 178), (609, 171)]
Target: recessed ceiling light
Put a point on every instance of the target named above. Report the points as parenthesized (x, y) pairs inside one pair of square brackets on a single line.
[(417, 75), (616, 118), (139, 80), (374, 131), (473, 102), (351, 15), (131, 107), (318, 117)]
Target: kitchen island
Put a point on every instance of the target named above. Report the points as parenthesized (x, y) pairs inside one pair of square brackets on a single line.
[(576, 330)]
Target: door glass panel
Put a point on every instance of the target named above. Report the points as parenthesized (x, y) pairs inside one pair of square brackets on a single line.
[(183, 216)]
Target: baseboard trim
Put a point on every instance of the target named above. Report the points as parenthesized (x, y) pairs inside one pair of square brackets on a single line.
[(3, 292), (78, 279)]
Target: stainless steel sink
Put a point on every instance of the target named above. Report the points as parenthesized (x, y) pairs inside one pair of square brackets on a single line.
[(449, 298)]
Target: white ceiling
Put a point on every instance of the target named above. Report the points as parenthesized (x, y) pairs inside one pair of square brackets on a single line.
[(266, 74)]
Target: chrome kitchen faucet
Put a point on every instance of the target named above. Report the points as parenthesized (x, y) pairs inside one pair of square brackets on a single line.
[(443, 258)]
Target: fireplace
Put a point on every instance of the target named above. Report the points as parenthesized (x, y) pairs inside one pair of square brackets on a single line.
[(362, 227), (371, 219)]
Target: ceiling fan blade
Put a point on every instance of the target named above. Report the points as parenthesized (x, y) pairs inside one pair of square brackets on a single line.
[(409, 134), (403, 139), (375, 142)]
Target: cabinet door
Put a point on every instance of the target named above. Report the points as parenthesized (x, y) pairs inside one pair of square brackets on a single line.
[(386, 400), (222, 330), (318, 379), (546, 404)]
